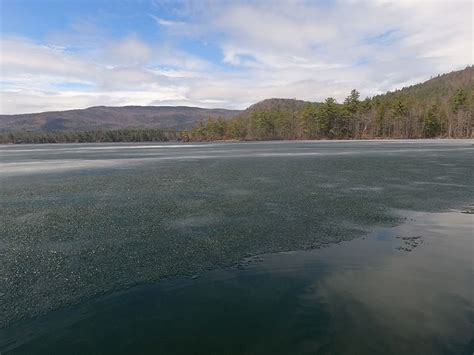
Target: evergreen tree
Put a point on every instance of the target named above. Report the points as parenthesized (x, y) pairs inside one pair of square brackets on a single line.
[(329, 113), (459, 100), (431, 122), (347, 122)]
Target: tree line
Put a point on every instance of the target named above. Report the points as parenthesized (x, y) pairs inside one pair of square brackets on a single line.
[(441, 107), (353, 119), (119, 135)]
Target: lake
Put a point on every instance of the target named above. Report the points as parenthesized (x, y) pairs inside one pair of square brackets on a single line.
[(326, 247)]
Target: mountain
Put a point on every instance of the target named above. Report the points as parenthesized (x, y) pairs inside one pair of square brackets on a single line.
[(439, 107), (112, 118)]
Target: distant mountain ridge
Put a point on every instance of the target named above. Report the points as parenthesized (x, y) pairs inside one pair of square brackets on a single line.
[(439, 107), (100, 118)]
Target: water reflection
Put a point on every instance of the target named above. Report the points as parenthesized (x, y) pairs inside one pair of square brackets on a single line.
[(364, 296), (418, 303)]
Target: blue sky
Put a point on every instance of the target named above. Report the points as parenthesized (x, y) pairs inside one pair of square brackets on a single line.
[(65, 54)]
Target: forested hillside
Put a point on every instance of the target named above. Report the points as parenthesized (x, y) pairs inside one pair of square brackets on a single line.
[(439, 107)]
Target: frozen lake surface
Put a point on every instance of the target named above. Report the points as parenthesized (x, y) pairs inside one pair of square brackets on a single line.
[(80, 223)]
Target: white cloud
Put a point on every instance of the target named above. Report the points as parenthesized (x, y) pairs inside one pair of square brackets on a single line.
[(167, 23), (301, 49), (311, 51), (39, 101), (25, 57), (130, 51)]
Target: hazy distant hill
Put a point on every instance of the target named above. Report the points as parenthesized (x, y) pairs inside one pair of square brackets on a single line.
[(111, 118)]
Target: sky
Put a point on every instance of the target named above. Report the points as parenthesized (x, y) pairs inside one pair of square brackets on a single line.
[(68, 54)]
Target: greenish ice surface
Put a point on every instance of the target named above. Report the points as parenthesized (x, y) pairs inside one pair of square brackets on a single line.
[(234, 235)]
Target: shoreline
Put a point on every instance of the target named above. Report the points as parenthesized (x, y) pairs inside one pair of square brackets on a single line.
[(255, 141)]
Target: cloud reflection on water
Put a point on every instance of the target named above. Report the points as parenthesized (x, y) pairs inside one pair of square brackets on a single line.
[(407, 301)]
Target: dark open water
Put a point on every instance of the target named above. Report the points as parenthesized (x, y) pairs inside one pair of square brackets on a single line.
[(385, 260)]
